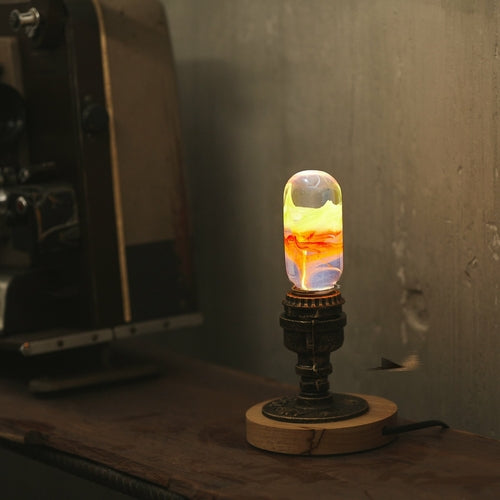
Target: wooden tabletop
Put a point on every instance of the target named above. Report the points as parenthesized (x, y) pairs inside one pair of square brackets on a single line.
[(185, 431)]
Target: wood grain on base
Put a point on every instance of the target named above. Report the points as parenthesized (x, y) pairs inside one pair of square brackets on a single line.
[(327, 438)]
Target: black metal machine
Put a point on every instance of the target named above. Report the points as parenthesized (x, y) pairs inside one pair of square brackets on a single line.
[(94, 244)]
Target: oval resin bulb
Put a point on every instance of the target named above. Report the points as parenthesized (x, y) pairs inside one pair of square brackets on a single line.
[(312, 220)]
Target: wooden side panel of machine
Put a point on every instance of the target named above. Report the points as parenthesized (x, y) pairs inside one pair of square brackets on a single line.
[(145, 144), (102, 278)]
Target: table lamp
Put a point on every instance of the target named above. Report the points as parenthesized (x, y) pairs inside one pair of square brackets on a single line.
[(316, 421)]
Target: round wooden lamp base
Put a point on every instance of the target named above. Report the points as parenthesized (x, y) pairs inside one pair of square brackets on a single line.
[(328, 438)]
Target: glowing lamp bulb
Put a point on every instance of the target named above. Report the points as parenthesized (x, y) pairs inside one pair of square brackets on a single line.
[(312, 220)]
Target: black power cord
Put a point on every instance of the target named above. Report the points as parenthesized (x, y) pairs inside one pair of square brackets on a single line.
[(398, 429)]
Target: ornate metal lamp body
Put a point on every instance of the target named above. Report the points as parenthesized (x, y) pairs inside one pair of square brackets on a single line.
[(313, 327), (313, 324)]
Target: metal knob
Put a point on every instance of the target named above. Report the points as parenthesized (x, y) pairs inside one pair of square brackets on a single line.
[(21, 205), (29, 21)]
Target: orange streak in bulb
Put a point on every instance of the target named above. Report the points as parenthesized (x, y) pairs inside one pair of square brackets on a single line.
[(305, 249), (317, 245)]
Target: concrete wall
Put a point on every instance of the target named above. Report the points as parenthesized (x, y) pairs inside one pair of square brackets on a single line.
[(399, 100)]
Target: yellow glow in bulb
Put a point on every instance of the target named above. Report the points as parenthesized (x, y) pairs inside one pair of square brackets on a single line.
[(312, 220)]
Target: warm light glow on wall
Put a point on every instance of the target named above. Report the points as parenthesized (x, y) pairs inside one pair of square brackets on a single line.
[(312, 219)]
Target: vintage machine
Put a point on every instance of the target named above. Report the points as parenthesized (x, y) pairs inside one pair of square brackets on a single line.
[(94, 240)]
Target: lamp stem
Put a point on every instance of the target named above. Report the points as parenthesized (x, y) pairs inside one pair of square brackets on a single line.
[(313, 325)]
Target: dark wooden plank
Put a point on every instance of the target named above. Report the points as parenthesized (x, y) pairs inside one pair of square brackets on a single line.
[(185, 431)]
